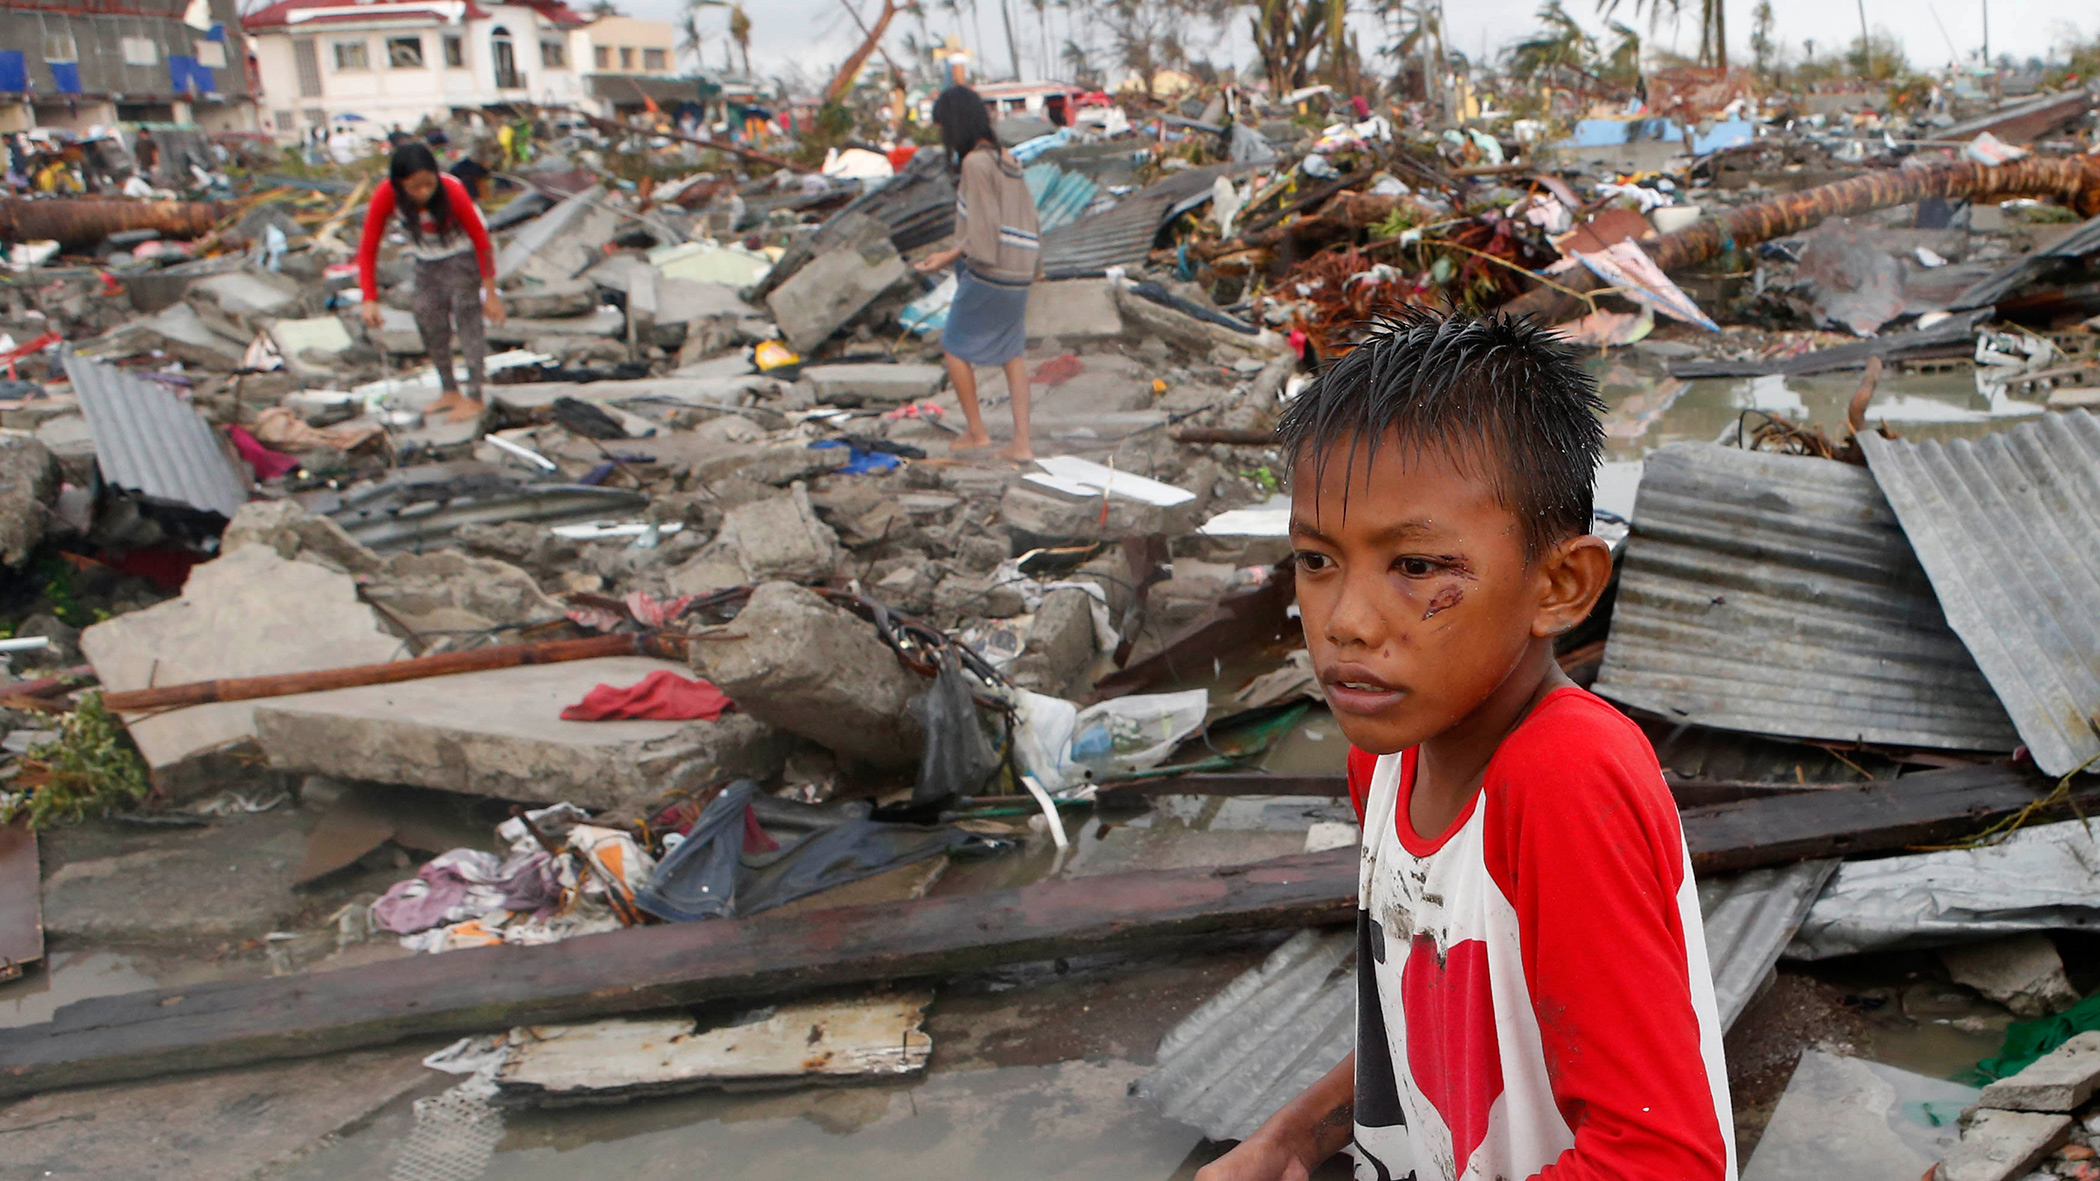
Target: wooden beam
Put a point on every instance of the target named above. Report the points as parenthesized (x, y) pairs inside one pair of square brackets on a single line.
[(1885, 816), (104, 1039)]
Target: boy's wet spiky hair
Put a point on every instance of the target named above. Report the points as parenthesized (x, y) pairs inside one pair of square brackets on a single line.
[(1504, 393)]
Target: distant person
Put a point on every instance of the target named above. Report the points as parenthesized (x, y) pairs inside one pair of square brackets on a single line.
[(455, 270), (995, 263), (147, 153), (473, 174)]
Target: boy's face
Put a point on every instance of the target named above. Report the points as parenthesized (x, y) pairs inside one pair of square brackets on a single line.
[(1415, 593)]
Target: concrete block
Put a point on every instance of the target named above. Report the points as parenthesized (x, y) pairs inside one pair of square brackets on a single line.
[(1072, 309), (500, 733), (573, 297), (249, 613), (29, 481), (831, 290), (446, 590), (297, 535), (2024, 973), (781, 538), (602, 322), (2061, 1080), (863, 384), (1196, 336), (1045, 514), (794, 661), (249, 292), (1062, 635), (2002, 1145)]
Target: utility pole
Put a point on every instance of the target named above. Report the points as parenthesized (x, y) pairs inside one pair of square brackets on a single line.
[(1866, 43), (1986, 31)]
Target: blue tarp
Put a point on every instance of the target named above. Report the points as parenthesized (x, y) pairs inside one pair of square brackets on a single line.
[(1610, 133), (65, 76), (186, 76), (14, 72)]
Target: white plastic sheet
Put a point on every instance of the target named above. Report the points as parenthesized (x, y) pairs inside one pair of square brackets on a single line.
[(2043, 878)]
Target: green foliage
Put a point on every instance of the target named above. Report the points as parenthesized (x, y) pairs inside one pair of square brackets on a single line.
[(1402, 219), (1762, 43), (1878, 58), (1264, 477), (57, 578), (1559, 44), (90, 769)]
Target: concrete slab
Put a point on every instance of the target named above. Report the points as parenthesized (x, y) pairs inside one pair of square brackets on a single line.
[(2001, 1145), (1860, 1120), (831, 290), (249, 613), (602, 321), (234, 1123), (499, 733), (861, 384), (1073, 309), (249, 292), (2061, 1080), (2024, 973), (234, 880)]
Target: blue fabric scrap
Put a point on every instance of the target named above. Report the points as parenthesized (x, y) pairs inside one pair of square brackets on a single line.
[(862, 463)]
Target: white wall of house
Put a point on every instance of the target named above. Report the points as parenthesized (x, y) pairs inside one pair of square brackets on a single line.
[(396, 71), (630, 46)]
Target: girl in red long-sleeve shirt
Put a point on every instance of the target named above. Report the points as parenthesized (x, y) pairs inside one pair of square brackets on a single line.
[(455, 270)]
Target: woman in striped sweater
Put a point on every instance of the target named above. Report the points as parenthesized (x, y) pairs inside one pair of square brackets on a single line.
[(995, 261)]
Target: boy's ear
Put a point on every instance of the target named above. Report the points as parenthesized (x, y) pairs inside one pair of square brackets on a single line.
[(1572, 574)]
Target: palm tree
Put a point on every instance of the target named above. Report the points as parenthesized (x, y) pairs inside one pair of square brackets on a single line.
[(1713, 24), (740, 32), (690, 39), (1560, 44)]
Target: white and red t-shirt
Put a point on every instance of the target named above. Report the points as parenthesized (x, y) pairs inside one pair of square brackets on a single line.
[(1533, 992)]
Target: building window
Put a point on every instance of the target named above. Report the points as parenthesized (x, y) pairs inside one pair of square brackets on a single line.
[(58, 47), (553, 56), (140, 51), (627, 57), (404, 53), (281, 120), (601, 56), (654, 59), (352, 55), (455, 51), (211, 54), (316, 117), (505, 60)]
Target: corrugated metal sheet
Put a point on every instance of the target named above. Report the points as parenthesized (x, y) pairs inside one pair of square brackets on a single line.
[(149, 442), (1122, 237), (1987, 292), (1749, 919), (1271, 1033), (1776, 594), (1060, 197), (2006, 526)]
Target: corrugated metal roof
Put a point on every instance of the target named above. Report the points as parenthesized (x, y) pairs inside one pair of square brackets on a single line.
[(1952, 336), (1776, 594), (1987, 292), (1123, 236), (149, 442), (1276, 1029), (1749, 919), (2006, 526)]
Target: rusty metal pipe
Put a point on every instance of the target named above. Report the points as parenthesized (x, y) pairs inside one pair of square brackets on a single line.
[(2073, 180), (84, 221)]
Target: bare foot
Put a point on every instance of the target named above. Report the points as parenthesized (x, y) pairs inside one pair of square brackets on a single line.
[(967, 442), (468, 410), (447, 402), (1017, 453)]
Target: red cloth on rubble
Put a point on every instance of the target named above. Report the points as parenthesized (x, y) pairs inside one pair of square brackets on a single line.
[(661, 696)]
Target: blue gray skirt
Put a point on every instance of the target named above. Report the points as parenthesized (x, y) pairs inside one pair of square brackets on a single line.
[(987, 323)]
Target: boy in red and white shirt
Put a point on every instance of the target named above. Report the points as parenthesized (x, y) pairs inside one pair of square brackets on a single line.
[(1533, 991)]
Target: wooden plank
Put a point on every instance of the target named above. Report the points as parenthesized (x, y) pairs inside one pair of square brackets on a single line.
[(21, 901), (1884, 816), (104, 1039)]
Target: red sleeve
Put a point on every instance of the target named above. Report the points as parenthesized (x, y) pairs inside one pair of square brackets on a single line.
[(468, 215), (1584, 840), (1362, 764), (376, 215)]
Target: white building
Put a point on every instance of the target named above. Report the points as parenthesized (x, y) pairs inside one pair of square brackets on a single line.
[(396, 61)]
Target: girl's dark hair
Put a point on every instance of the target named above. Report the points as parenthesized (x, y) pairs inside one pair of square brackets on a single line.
[(409, 159), (1506, 395), (964, 123)]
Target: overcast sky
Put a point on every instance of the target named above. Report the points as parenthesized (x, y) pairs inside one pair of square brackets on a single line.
[(817, 34)]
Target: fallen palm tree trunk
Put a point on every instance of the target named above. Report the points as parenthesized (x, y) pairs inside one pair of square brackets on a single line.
[(2073, 180), (442, 665), (84, 221)]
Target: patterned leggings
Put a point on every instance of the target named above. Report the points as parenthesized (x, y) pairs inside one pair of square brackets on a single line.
[(448, 290)]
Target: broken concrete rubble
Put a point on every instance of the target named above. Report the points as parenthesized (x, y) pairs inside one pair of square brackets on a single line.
[(2061, 1080), (833, 288), (796, 662), (780, 537), (2024, 973), (499, 733), (29, 479)]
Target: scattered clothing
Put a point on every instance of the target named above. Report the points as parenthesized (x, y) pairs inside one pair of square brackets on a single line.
[(268, 464), (661, 696)]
